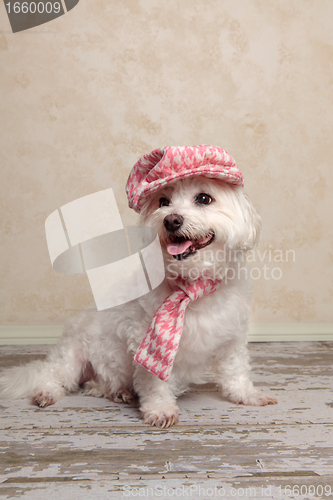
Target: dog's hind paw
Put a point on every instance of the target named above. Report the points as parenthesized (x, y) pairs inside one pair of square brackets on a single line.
[(161, 419), (256, 399), (122, 396), (43, 399)]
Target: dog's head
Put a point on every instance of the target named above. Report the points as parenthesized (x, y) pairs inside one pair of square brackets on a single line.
[(198, 218)]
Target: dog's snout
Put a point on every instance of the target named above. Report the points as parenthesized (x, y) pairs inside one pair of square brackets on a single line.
[(173, 222)]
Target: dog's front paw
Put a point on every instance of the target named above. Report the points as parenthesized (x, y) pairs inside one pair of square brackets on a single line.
[(255, 399), (162, 418)]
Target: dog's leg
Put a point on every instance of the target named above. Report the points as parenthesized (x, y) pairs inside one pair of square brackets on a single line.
[(60, 374), (111, 372), (35, 380), (157, 399), (232, 370), (45, 382)]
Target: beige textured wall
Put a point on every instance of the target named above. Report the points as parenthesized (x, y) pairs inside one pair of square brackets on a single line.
[(85, 95)]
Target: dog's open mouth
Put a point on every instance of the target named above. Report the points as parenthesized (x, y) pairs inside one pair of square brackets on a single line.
[(181, 248)]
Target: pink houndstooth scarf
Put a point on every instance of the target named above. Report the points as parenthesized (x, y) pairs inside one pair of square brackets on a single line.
[(159, 347)]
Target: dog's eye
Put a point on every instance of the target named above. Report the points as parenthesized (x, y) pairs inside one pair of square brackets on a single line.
[(203, 199), (164, 202)]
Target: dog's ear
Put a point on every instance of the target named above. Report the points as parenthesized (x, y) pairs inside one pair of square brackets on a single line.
[(253, 222)]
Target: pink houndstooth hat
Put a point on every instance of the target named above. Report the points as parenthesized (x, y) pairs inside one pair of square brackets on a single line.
[(165, 165)]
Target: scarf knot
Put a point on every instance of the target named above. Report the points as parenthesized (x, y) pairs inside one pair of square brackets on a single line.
[(160, 344)]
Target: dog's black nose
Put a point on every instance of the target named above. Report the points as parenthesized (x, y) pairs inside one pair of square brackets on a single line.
[(173, 222)]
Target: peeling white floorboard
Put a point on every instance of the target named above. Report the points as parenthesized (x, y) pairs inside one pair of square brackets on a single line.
[(84, 447)]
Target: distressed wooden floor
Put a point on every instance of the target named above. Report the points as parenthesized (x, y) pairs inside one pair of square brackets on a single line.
[(90, 448)]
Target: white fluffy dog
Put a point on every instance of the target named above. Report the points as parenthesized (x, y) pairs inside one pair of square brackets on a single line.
[(205, 227)]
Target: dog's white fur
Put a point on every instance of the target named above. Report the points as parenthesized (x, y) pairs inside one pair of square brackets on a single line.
[(97, 348)]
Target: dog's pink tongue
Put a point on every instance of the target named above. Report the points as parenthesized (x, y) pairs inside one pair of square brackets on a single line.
[(178, 248)]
